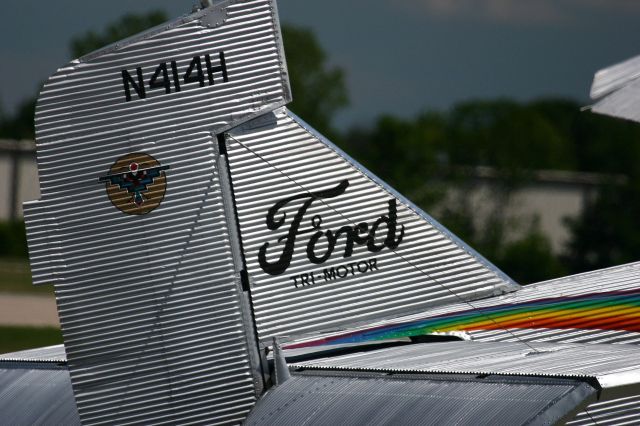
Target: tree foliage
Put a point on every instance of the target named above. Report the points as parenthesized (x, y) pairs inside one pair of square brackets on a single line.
[(607, 232), (403, 152), (515, 140), (530, 259), (318, 89), (20, 124), (506, 135), (13, 241)]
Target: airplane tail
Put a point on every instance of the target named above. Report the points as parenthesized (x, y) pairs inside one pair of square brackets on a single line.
[(252, 226), (327, 244)]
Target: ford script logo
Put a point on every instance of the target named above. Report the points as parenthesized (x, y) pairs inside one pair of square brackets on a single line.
[(344, 238)]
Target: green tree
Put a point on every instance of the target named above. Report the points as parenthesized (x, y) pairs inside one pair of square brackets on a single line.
[(19, 125), (511, 137), (13, 241), (597, 143), (405, 153), (432, 158), (530, 259), (608, 232), (318, 89)]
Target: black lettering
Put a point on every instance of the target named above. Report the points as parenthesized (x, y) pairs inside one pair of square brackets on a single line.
[(304, 279), (350, 234), (138, 87), (160, 78), (363, 266), (155, 84), (360, 234), (390, 240), (222, 68), (373, 264), (199, 77), (331, 241), (176, 77), (329, 274), (336, 272), (346, 271), (281, 265)]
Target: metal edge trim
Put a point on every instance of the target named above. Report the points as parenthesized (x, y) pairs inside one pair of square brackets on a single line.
[(188, 17)]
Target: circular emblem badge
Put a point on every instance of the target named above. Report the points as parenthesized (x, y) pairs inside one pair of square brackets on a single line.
[(136, 183)]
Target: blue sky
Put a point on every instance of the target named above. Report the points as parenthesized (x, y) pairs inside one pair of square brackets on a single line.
[(401, 56)]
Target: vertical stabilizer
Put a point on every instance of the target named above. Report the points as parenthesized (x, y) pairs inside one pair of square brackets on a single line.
[(131, 227), (329, 245)]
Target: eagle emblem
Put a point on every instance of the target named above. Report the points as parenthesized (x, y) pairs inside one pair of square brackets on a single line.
[(136, 183)]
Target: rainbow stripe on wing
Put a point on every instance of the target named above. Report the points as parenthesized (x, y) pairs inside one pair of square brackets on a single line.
[(618, 310)]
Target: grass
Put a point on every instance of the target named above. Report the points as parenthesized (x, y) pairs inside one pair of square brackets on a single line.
[(18, 338), (15, 277)]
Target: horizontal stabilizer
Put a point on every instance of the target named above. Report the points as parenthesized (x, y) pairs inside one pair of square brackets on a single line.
[(325, 398), (601, 306), (617, 90), (615, 77)]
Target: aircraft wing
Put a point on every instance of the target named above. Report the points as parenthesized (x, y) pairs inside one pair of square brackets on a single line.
[(466, 383), (616, 90)]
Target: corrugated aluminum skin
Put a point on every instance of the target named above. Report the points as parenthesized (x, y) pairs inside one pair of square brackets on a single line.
[(617, 278), (55, 354), (273, 158), (334, 400), (33, 393), (621, 411), (150, 305), (617, 90), (615, 77), (615, 367)]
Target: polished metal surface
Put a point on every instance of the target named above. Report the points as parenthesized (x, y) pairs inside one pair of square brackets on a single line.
[(621, 411), (150, 302), (615, 77), (621, 279), (36, 394), (382, 400), (615, 279), (616, 89), (54, 354), (404, 262), (616, 368)]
